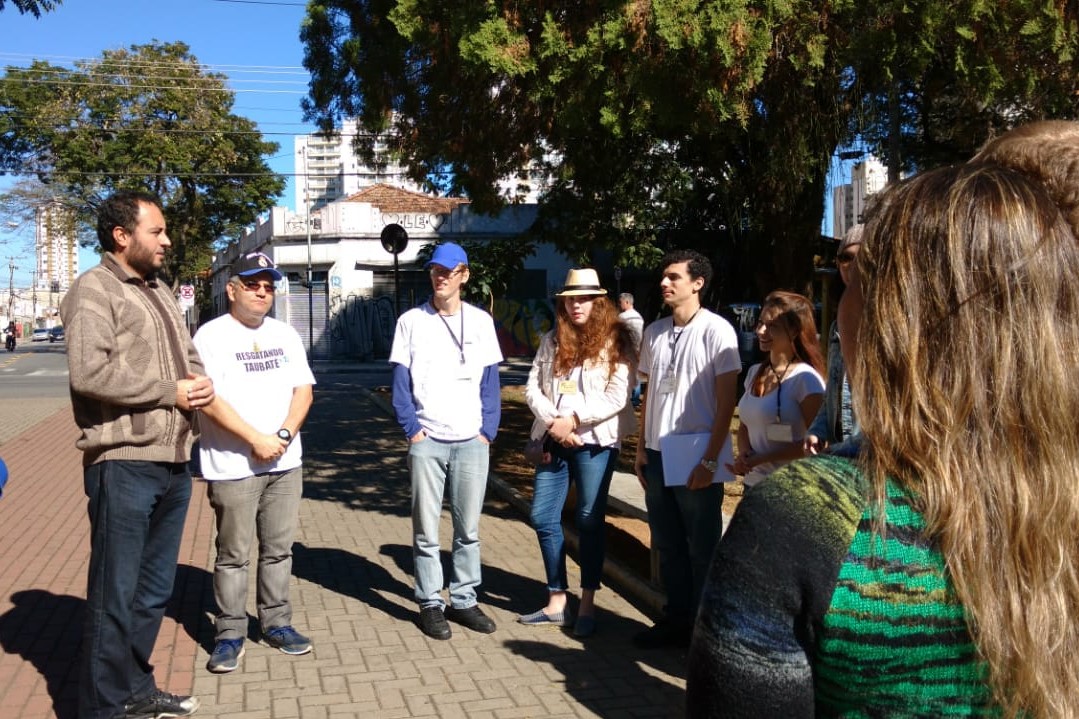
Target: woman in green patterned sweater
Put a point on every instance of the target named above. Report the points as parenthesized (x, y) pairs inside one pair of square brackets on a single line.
[(931, 570)]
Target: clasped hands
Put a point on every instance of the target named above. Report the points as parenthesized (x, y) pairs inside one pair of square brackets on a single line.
[(742, 463), (561, 430), (195, 391)]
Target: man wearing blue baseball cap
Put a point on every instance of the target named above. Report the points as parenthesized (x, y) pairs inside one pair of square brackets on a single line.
[(252, 459), (447, 398)]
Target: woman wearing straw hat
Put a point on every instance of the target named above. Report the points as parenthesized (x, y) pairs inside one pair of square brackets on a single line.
[(578, 390)]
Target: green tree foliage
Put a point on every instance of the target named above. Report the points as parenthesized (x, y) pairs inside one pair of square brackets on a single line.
[(493, 265), (148, 117), (34, 7), (708, 124)]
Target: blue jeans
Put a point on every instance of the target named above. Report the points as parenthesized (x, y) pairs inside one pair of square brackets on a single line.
[(459, 468), (686, 525), (137, 512), (590, 468), (270, 504)]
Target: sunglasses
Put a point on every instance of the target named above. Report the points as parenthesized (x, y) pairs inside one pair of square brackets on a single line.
[(437, 271), (254, 285)]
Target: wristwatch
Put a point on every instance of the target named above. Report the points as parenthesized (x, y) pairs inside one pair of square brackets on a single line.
[(710, 464), (284, 434)]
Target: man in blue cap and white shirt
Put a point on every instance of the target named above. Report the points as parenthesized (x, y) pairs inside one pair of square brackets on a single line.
[(447, 398), (251, 457)]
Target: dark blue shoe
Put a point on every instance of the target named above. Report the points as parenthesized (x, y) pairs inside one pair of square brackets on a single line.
[(288, 640), (226, 656)]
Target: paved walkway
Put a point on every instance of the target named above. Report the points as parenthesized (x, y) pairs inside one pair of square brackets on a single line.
[(352, 593)]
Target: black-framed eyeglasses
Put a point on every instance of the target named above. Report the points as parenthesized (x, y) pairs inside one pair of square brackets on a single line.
[(254, 285)]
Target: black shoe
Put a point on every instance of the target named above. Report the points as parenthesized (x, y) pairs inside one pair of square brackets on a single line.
[(433, 623), (664, 634), (473, 618), (160, 705)]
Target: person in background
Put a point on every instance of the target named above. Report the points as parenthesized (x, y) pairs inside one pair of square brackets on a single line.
[(783, 393), (835, 421), (251, 456), (447, 398), (943, 553), (690, 364), (578, 390), (136, 381), (632, 318)]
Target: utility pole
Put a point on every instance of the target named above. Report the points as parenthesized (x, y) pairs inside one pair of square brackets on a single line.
[(11, 289)]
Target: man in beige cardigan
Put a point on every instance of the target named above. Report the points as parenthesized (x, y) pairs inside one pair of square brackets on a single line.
[(136, 381)]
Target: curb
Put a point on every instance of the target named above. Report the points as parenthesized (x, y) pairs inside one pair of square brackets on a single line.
[(613, 571)]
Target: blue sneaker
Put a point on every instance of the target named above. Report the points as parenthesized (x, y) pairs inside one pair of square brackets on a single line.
[(226, 656), (288, 640)]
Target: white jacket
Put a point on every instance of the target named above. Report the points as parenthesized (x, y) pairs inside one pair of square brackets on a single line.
[(607, 410)]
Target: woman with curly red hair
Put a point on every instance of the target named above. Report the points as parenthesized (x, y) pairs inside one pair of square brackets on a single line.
[(579, 390)]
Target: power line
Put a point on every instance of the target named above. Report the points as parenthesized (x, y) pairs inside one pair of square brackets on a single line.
[(65, 83), (131, 60)]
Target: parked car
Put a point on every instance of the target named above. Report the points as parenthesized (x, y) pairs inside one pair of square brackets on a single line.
[(40, 335), (56, 334)]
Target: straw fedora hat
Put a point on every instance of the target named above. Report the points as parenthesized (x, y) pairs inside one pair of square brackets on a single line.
[(581, 282)]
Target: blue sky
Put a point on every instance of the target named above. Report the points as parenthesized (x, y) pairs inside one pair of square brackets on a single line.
[(255, 43)]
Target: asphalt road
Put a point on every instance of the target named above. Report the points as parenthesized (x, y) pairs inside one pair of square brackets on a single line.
[(35, 370)]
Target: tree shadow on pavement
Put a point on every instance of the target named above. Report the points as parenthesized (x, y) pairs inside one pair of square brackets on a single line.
[(45, 629), (192, 604), (604, 676), (353, 576), (508, 591)]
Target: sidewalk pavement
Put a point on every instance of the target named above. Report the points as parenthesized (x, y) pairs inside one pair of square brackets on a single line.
[(352, 594)]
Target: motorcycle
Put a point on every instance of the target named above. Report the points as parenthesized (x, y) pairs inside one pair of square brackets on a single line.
[(9, 341)]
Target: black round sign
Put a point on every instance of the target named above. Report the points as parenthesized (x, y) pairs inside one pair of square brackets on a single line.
[(394, 238)]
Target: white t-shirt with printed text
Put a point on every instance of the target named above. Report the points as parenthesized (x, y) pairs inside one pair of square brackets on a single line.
[(445, 389), (255, 371)]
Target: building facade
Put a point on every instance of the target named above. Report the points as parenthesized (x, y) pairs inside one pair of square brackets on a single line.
[(327, 168), (850, 201), (357, 288), (56, 248)]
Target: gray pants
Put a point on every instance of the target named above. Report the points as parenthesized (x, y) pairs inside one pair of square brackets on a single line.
[(270, 504)]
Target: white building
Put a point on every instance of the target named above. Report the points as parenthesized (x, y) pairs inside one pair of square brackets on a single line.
[(56, 248), (327, 168), (355, 279), (850, 202)]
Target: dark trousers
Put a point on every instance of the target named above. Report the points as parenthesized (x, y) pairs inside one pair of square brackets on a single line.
[(137, 511), (686, 525)]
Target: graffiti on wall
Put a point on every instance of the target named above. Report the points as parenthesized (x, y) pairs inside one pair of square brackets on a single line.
[(361, 327), (521, 324)]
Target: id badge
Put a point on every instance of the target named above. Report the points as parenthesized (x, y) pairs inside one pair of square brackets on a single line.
[(567, 386), (779, 432), (668, 384)]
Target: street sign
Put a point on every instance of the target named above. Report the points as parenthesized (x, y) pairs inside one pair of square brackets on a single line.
[(187, 296)]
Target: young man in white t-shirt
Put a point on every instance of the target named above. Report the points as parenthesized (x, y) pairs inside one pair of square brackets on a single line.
[(251, 457), (690, 364), (447, 399)]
